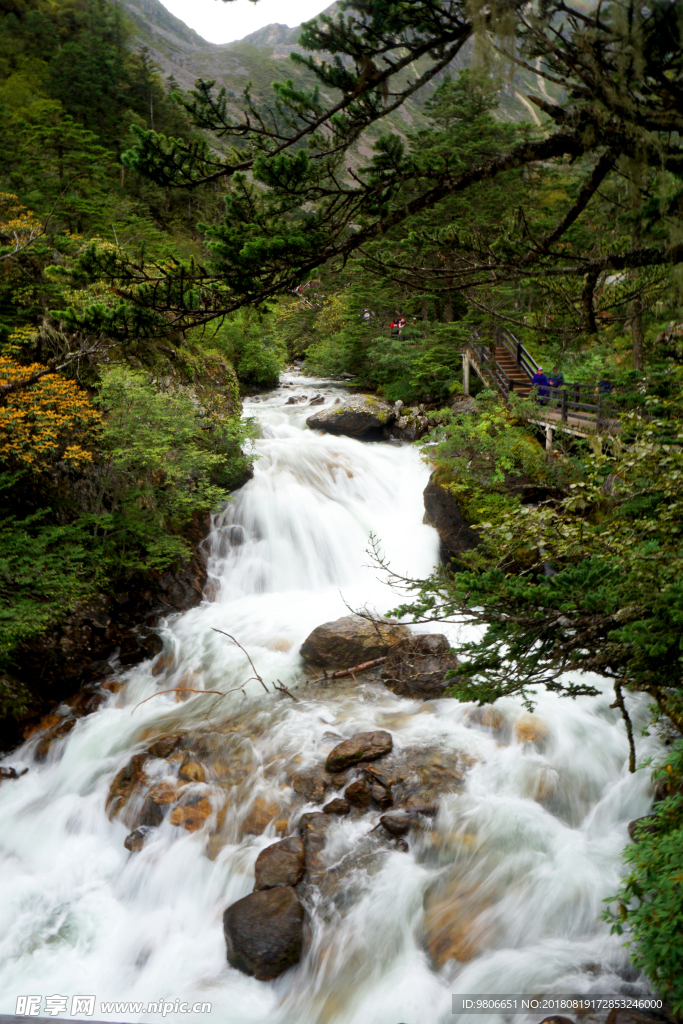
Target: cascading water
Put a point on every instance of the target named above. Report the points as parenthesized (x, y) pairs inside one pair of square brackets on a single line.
[(502, 893)]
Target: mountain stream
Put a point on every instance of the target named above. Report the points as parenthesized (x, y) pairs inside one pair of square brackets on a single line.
[(501, 892)]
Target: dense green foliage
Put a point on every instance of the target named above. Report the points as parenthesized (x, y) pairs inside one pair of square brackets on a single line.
[(649, 902), (105, 465)]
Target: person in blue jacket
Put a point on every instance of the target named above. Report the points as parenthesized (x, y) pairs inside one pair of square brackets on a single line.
[(541, 383)]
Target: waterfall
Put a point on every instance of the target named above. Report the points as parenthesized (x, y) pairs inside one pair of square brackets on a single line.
[(520, 856)]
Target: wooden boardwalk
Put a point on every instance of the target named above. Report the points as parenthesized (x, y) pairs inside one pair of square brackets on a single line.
[(508, 367)]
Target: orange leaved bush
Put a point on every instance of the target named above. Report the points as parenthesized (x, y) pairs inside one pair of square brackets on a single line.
[(46, 422)]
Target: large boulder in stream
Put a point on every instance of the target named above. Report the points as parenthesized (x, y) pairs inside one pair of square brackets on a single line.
[(359, 416), (443, 513), (417, 665), (280, 864), (264, 932), (351, 641), (364, 746)]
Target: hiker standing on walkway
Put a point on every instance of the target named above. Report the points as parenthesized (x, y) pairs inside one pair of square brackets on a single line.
[(541, 382)]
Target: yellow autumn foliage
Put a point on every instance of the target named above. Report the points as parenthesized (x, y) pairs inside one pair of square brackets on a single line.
[(45, 422)]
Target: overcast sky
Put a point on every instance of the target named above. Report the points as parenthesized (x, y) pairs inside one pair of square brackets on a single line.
[(224, 22)]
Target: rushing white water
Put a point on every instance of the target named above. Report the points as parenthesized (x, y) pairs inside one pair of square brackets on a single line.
[(524, 852)]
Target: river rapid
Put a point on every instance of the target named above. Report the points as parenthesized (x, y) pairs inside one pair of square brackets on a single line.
[(520, 857)]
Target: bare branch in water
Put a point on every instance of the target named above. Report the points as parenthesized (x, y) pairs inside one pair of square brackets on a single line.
[(281, 688), (238, 644), (185, 689)]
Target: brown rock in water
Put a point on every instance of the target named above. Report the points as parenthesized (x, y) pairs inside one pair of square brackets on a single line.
[(135, 840), (356, 416), (529, 729), (351, 641), (443, 513), (263, 811), (313, 830), (453, 930), (164, 746), (417, 665), (364, 746), (422, 805), (486, 717), (282, 863), (192, 815), (396, 824), (337, 806), (358, 794), (165, 793), (124, 784), (192, 771), (381, 795), (264, 932), (311, 783)]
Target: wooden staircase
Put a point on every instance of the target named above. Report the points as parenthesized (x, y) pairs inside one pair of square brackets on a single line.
[(520, 381), (506, 366)]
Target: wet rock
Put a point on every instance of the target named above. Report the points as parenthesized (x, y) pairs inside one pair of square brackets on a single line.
[(358, 794), (165, 793), (337, 806), (361, 416), (136, 839), (364, 746), (421, 775), (313, 830), (454, 929), (263, 811), (667, 787), (422, 805), (380, 795), (318, 400), (282, 863), (164, 746), (443, 513), (486, 717), (124, 784), (264, 932), (58, 732), (417, 665), (150, 814), (411, 425), (192, 814), (396, 824), (192, 771), (138, 646), (641, 827), (350, 641), (11, 773), (311, 783), (530, 729)]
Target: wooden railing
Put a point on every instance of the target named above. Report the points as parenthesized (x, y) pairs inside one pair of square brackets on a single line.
[(573, 405)]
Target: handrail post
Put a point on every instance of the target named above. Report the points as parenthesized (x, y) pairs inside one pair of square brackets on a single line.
[(564, 406), (466, 373), (599, 416), (519, 353)]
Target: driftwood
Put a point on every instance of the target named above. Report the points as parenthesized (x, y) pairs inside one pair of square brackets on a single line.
[(351, 671)]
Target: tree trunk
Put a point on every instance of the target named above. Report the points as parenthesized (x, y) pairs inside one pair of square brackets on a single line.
[(637, 332), (425, 309)]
